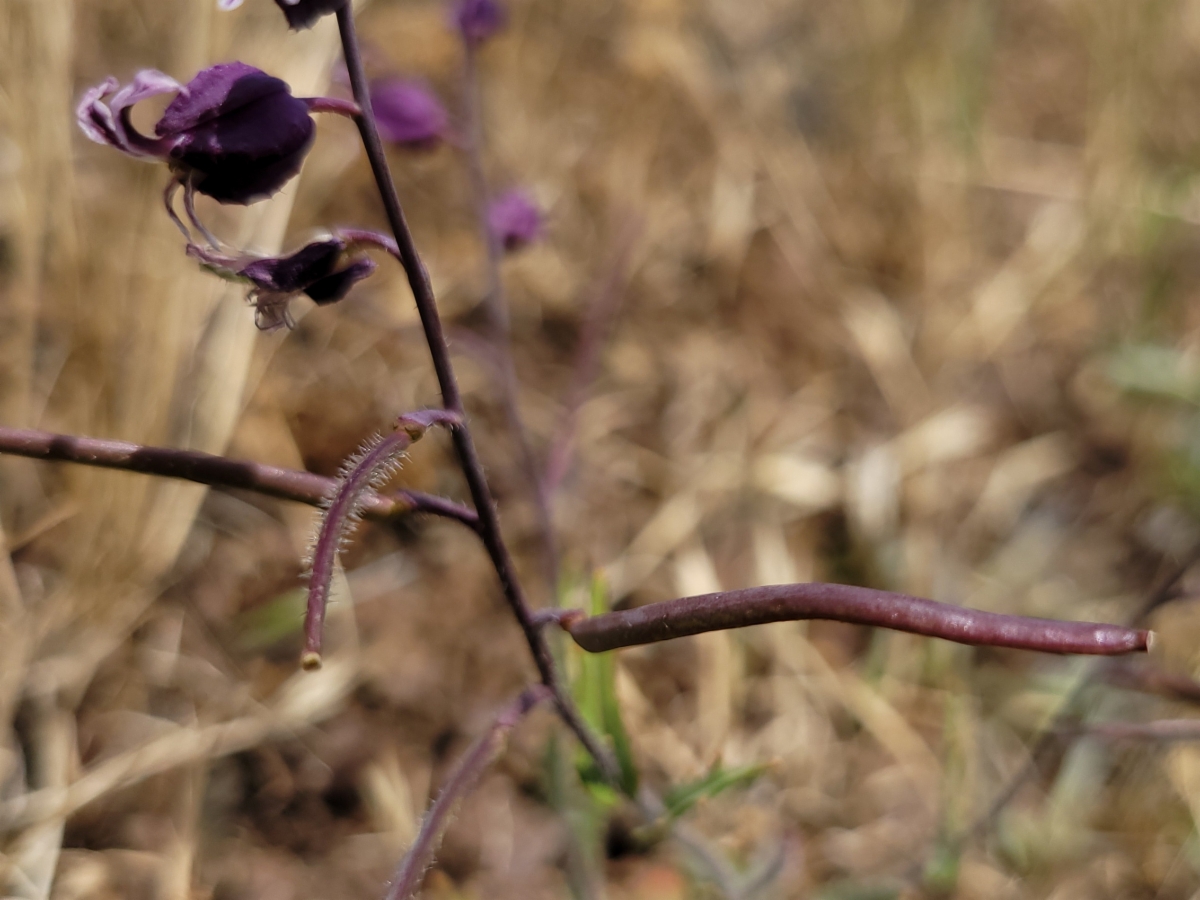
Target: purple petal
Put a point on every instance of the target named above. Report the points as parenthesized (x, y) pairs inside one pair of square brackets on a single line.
[(334, 287), (296, 272), (217, 91), (407, 112), (108, 122), (95, 118), (478, 20), (238, 134), (514, 219)]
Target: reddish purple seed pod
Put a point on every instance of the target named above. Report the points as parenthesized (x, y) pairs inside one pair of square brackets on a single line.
[(848, 603)]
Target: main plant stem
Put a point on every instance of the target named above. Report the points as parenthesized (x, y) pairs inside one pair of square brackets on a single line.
[(485, 505)]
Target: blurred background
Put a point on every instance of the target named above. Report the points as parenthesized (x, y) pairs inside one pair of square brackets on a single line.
[(907, 298)]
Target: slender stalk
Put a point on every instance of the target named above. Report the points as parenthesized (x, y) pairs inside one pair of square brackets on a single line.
[(496, 305), (1069, 708), (368, 469), (846, 603), (1150, 680), (418, 279), (1161, 730), (339, 518), (219, 471), (334, 105), (601, 311), (482, 754)]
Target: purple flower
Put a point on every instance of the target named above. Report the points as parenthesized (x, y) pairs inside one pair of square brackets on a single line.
[(317, 269), (514, 219), (232, 132), (478, 20), (407, 112)]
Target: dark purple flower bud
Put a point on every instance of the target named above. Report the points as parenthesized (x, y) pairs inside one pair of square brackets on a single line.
[(304, 13), (317, 269), (407, 112), (514, 220), (478, 20), (232, 132)]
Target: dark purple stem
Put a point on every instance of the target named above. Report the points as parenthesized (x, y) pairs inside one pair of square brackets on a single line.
[(489, 521), (845, 603), (482, 754), (421, 502), (219, 471)]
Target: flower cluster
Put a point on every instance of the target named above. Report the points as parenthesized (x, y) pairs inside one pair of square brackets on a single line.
[(238, 135)]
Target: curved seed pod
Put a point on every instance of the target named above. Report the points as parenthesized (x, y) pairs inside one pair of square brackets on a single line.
[(845, 603), (482, 754), (369, 468)]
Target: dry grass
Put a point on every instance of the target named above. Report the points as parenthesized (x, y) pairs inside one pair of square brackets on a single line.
[(895, 261)]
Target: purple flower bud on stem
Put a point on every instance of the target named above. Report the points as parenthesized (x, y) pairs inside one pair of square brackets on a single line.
[(233, 132), (514, 220), (407, 113), (316, 269), (478, 20)]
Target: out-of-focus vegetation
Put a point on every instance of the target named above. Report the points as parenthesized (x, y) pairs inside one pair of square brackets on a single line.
[(913, 303)]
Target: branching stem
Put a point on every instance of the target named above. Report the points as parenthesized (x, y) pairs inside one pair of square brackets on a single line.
[(418, 279), (219, 471)]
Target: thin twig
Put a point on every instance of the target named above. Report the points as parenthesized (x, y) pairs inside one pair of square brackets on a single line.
[(1163, 730), (482, 754), (219, 471), (489, 520), (1151, 680), (601, 310), (499, 316), (1157, 597), (847, 603)]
